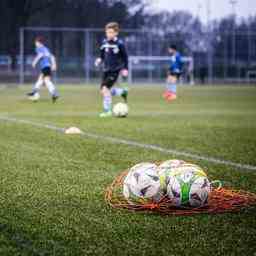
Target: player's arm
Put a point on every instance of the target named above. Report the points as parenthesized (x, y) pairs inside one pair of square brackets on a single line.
[(124, 57), (100, 59), (53, 61), (36, 59)]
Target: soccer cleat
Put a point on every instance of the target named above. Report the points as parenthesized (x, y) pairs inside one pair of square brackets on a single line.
[(54, 98), (106, 114), (174, 96), (124, 95), (169, 96), (30, 94), (165, 94)]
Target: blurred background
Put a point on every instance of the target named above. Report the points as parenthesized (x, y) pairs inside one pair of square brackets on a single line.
[(217, 38)]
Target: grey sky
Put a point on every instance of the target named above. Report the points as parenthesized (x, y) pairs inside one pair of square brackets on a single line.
[(219, 8)]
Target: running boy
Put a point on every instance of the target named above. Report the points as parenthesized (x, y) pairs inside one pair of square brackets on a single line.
[(47, 64), (114, 58), (174, 73)]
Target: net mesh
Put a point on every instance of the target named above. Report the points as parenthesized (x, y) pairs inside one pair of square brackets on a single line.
[(221, 200)]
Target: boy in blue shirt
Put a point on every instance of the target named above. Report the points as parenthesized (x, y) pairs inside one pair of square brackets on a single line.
[(114, 58), (46, 61), (174, 74)]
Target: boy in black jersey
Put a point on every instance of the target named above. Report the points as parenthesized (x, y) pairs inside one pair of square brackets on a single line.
[(114, 58)]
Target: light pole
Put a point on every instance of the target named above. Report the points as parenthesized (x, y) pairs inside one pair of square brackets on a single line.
[(233, 4)]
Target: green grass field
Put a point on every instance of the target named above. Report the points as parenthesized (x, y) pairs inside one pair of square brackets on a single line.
[(52, 185)]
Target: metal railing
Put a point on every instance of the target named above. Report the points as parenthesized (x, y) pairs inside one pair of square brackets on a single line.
[(76, 50)]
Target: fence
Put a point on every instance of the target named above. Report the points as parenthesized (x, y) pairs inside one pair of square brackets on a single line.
[(217, 58)]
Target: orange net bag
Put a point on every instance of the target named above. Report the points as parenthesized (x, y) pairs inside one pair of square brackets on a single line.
[(221, 200)]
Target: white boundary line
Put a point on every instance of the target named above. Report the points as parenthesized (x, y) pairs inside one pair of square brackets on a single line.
[(135, 144), (137, 114)]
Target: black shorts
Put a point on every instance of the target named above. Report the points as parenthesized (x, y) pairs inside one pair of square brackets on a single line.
[(176, 74), (109, 78), (46, 71)]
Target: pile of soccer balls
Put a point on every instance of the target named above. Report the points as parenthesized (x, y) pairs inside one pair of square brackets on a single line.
[(183, 184)]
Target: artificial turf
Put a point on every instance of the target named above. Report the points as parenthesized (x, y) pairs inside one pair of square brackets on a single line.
[(52, 185)]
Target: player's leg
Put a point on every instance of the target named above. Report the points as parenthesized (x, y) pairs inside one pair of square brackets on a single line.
[(172, 84), (117, 91), (51, 88), (106, 101), (49, 84), (109, 79), (123, 92), (171, 88), (36, 88)]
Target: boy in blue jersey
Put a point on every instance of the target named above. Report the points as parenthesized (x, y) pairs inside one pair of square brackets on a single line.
[(114, 58), (174, 73), (46, 61)]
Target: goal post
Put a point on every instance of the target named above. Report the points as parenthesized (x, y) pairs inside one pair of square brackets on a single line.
[(153, 69)]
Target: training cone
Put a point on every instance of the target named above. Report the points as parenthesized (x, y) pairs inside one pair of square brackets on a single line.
[(73, 130)]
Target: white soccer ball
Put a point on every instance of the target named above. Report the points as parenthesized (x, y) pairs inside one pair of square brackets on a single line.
[(142, 182), (120, 110), (188, 186), (35, 97)]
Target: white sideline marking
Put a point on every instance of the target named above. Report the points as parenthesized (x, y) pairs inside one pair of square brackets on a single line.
[(137, 114), (134, 143)]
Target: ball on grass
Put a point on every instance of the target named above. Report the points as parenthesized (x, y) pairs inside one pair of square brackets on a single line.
[(142, 182), (120, 110)]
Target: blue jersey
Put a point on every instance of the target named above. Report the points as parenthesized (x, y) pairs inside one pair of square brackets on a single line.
[(45, 60), (176, 63)]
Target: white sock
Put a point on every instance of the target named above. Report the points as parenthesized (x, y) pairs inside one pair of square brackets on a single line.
[(107, 103), (38, 85), (117, 91), (172, 87), (51, 87)]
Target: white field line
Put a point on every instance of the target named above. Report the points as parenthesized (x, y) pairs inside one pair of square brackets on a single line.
[(134, 143), (136, 114)]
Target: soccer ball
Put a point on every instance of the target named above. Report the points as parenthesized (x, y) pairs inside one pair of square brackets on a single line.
[(165, 169), (120, 110), (35, 97), (188, 186), (142, 182)]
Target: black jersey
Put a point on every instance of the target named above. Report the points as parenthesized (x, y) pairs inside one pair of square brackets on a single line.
[(113, 55)]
